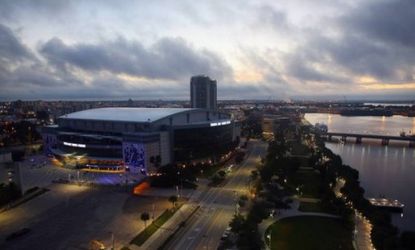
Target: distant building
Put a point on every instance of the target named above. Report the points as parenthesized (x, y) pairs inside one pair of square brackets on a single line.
[(274, 124), (203, 92), (9, 170)]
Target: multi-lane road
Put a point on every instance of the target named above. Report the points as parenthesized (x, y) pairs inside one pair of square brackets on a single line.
[(218, 205)]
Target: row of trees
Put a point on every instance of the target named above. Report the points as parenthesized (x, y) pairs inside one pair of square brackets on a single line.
[(8, 192), (268, 196), (15, 133), (175, 175)]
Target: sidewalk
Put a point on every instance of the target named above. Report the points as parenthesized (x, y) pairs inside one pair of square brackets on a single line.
[(363, 228), (362, 239), (23, 199)]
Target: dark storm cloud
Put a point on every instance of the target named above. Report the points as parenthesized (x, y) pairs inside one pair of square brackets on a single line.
[(301, 65), (166, 59), (364, 56), (378, 39), (385, 20), (11, 48), (21, 70), (374, 39), (325, 43), (26, 76)]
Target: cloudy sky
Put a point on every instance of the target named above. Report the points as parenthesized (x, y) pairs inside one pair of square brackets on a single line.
[(255, 49)]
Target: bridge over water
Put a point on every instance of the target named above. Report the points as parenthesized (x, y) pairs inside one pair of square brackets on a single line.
[(384, 138)]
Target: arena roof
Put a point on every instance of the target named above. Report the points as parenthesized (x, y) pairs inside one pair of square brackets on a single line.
[(126, 114)]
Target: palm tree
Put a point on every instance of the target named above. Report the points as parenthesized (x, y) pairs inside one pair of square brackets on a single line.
[(145, 217), (173, 200)]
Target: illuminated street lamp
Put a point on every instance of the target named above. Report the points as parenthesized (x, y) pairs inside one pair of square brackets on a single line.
[(269, 239), (179, 182), (112, 241)]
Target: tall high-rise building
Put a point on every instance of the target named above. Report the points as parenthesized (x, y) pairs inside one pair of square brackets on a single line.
[(203, 92)]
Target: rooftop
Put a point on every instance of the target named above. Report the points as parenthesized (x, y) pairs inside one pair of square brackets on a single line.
[(125, 114)]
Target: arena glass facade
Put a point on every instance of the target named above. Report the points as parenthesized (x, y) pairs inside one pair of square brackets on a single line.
[(138, 139)]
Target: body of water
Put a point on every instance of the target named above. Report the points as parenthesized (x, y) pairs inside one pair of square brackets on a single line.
[(384, 170), (388, 104)]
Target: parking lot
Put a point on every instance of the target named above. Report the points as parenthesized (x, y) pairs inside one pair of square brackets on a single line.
[(39, 171), (70, 216)]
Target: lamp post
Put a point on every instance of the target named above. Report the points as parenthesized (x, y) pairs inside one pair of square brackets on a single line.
[(236, 202), (207, 241), (178, 183), (269, 239), (112, 240)]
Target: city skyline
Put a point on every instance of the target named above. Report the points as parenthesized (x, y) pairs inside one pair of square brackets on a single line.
[(256, 50)]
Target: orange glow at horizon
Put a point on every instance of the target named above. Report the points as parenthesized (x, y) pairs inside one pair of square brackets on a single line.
[(131, 78), (248, 76), (383, 86), (370, 82)]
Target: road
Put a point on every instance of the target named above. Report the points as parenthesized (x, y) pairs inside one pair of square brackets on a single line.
[(217, 206)]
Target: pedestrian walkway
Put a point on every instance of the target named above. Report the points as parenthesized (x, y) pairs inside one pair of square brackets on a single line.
[(312, 200), (363, 229), (362, 232)]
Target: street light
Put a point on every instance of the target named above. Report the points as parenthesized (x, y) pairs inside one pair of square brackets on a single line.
[(269, 239), (236, 202), (112, 240), (179, 182)]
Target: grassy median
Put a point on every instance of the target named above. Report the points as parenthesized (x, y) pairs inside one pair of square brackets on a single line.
[(153, 227)]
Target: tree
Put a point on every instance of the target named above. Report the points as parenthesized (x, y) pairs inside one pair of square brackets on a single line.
[(254, 175), (241, 203), (222, 174), (237, 223), (145, 217), (239, 157), (173, 200)]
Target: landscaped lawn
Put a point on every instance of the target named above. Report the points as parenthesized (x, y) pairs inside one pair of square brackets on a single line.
[(310, 233), (299, 149), (309, 182), (314, 207)]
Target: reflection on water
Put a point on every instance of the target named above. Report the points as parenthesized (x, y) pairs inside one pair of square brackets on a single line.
[(413, 125), (364, 124), (384, 170)]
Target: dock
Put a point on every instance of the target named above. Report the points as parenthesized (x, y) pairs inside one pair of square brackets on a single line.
[(390, 204)]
